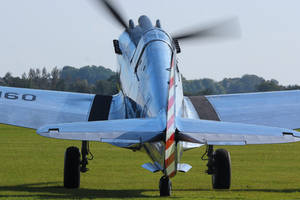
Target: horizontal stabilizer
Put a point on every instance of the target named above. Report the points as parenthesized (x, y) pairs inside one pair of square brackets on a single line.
[(151, 167), (227, 133), (183, 167), (189, 145), (126, 131)]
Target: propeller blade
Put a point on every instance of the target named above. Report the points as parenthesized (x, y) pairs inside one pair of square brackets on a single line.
[(115, 13), (229, 28)]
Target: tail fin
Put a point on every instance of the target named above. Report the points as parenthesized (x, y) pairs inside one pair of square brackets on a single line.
[(170, 149)]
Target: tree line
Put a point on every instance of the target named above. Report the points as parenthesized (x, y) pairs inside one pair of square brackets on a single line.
[(101, 80), (88, 79), (247, 83)]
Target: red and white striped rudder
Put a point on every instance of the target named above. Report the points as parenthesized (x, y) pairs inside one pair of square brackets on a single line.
[(170, 148)]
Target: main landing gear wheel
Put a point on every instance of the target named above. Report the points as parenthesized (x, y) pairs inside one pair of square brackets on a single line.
[(165, 186), (72, 168), (221, 177)]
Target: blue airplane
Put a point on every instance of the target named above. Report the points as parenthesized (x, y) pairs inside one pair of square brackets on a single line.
[(151, 114)]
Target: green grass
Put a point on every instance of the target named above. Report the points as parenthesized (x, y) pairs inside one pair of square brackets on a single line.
[(31, 167)]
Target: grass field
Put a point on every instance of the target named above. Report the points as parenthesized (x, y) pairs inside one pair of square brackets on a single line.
[(31, 167)]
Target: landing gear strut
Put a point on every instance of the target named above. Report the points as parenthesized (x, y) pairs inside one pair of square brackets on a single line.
[(84, 159), (219, 166), (165, 186), (73, 165)]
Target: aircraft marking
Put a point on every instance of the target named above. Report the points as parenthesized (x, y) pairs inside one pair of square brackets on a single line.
[(16, 96)]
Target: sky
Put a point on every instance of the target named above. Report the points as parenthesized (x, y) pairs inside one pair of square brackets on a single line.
[(49, 33)]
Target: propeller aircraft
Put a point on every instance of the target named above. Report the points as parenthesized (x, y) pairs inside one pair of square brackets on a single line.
[(150, 113)]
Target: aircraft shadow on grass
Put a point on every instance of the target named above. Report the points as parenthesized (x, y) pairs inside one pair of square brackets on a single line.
[(244, 190), (50, 190)]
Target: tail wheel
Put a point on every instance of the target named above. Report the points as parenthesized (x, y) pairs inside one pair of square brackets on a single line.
[(72, 168), (221, 177), (165, 186)]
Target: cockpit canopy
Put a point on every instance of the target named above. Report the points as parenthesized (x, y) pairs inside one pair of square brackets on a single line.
[(135, 38), (144, 25)]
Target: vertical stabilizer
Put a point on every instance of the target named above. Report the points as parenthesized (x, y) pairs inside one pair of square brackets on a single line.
[(170, 149)]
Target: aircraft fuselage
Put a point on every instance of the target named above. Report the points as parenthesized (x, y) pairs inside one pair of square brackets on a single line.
[(145, 70)]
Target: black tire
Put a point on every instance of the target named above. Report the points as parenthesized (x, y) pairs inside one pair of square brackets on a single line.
[(72, 168), (165, 186), (221, 178)]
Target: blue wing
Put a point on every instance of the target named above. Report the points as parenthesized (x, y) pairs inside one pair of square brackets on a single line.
[(32, 108), (228, 133), (278, 109)]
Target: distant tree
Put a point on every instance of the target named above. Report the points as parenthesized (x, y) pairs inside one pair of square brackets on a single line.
[(293, 87), (8, 79), (102, 87), (200, 86), (80, 86), (271, 85), (205, 92), (54, 77), (90, 73), (45, 79), (246, 83), (2, 82), (115, 83), (107, 87)]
